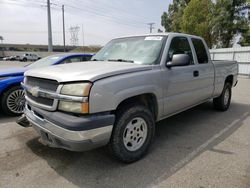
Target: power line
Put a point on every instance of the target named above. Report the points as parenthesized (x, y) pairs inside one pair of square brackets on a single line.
[(90, 11), (107, 8), (28, 4), (27, 31), (105, 17), (24, 5), (112, 18)]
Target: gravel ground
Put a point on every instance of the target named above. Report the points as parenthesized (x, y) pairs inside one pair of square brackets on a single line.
[(197, 148)]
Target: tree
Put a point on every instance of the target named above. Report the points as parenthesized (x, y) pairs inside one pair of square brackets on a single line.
[(245, 39), (1, 38), (218, 21), (197, 18), (171, 20), (228, 22), (160, 31)]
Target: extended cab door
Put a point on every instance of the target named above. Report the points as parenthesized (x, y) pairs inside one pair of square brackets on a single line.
[(183, 84), (205, 68)]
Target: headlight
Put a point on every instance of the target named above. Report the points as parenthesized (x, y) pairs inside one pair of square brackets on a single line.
[(76, 89)]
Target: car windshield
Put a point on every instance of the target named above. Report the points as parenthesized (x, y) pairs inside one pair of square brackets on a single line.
[(47, 61), (140, 50)]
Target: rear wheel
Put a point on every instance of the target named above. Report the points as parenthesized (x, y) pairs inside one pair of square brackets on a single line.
[(223, 102), (13, 101), (132, 133)]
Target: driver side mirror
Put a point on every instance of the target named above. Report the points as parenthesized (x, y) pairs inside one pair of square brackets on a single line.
[(179, 60)]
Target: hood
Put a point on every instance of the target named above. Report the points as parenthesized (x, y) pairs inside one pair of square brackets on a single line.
[(13, 71), (86, 71)]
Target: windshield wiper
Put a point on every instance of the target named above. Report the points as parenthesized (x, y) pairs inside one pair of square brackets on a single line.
[(121, 60)]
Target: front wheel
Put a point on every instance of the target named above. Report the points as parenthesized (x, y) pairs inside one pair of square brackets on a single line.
[(13, 101), (132, 133), (223, 102)]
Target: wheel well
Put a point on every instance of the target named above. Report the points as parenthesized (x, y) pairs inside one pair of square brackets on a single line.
[(229, 79), (7, 88), (148, 99)]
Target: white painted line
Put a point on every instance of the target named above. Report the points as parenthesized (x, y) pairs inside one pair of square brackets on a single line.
[(190, 156)]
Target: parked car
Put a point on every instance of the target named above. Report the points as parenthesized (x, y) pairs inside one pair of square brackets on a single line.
[(7, 58), (133, 83), (11, 93), (14, 58), (29, 57)]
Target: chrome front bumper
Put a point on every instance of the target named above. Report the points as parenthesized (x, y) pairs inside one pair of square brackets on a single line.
[(56, 136)]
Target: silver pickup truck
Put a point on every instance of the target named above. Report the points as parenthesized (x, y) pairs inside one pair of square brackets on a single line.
[(129, 85)]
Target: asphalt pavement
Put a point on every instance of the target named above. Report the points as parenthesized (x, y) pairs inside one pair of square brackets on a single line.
[(199, 148)]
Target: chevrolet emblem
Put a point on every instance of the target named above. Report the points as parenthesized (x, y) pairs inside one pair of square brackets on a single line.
[(34, 91)]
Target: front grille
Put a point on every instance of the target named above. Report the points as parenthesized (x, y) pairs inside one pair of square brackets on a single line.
[(41, 100), (43, 84)]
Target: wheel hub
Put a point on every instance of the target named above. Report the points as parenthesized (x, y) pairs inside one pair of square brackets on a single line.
[(16, 101), (135, 134)]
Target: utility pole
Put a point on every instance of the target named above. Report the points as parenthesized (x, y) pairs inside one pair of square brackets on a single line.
[(50, 46), (1, 38), (83, 38), (151, 27), (63, 29)]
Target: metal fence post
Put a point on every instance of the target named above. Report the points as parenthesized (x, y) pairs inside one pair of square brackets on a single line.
[(233, 55)]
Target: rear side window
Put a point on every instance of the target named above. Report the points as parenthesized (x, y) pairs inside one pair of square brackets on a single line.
[(200, 51), (180, 45), (72, 59), (86, 58)]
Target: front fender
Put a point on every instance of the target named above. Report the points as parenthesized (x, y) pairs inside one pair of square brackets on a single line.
[(108, 93), (8, 82)]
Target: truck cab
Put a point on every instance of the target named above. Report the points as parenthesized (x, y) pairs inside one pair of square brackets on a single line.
[(29, 57)]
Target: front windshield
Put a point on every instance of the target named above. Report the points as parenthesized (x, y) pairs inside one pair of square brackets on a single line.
[(47, 61), (140, 50)]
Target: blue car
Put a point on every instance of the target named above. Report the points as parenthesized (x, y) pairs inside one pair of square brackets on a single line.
[(12, 99)]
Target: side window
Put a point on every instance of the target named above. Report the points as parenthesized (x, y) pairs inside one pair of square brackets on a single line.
[(180, 45), (86, 57), (72, 60), (200, 51)]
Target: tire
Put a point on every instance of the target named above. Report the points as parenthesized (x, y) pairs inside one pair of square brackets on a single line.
[(13, 101), (223, 102), (24, 59), (133, 133)]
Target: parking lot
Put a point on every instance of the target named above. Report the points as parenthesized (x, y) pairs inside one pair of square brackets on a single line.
[(197, 148)]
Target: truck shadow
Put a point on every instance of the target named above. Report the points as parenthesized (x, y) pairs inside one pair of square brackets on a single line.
[(6, 119), (176, 138)]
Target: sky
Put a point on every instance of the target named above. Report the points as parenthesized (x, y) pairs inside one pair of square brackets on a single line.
[(25, 21)]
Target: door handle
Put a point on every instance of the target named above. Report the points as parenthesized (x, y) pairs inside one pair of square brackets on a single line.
[(196, 73)]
